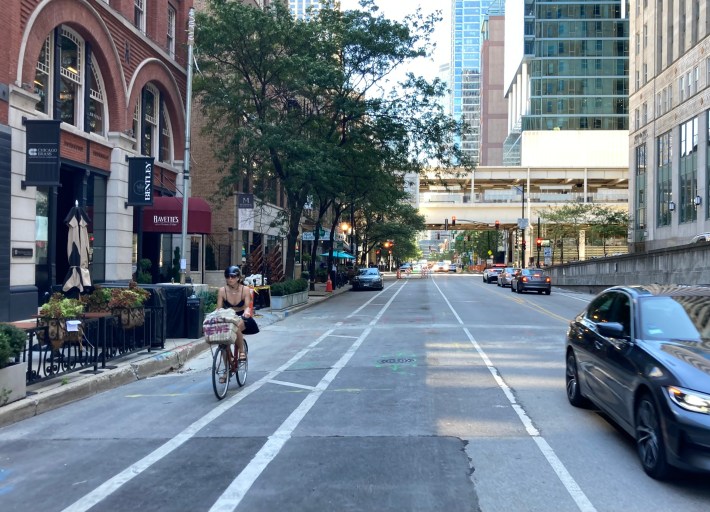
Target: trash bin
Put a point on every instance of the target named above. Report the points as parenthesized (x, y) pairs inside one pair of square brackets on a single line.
[(194, 315)]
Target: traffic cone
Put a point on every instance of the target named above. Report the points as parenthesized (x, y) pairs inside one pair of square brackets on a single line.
[(329, 285)]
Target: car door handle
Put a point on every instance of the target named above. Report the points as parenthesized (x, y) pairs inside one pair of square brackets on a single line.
[(598, 345)]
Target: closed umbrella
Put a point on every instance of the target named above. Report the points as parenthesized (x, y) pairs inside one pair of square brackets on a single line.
[(77, 249)]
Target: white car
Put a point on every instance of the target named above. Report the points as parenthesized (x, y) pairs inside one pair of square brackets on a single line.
[(440, 266)]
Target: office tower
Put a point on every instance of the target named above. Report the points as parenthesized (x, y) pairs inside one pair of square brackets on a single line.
[(299, 8), (494, 106), (566, 67), (465, 82)]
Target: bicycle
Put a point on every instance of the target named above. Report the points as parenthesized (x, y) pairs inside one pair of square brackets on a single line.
[(224, 365)]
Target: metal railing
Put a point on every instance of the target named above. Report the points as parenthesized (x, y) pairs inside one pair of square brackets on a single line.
[(99, 340)]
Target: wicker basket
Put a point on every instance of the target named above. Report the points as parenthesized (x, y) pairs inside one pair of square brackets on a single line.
[(220, 332)]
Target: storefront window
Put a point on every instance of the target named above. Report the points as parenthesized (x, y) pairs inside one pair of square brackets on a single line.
[(41, 226)]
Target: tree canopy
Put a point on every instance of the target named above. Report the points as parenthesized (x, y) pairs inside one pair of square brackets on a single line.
[(299, 101)]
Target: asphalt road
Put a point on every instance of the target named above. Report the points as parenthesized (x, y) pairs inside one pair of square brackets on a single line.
[(435, 394)]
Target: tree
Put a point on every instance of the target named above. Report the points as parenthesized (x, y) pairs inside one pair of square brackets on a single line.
[(609, 223), (566, 221), (292, 100)]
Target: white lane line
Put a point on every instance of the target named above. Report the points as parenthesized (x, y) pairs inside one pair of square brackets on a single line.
[(556, 464), (233, 495), (113, 484), (368, 303), (292, 384)]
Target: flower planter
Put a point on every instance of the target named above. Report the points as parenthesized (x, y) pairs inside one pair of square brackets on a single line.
[(57, 331), (13, 383), (279, 302), (130, 318)]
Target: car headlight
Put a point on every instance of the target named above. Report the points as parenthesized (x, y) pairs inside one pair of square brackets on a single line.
[(690, 400)]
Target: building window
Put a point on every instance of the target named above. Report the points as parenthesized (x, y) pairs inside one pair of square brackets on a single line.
[(688, 170), (152, 127), (681, 88), (139, 14), (696, 79), (640, 206), (637, 119), (663, 178), (70, 102), (171, 31), (645, 35), (638, 43), (644, 114)]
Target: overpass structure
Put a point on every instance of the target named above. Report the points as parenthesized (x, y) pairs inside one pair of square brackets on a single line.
[(506, 194)]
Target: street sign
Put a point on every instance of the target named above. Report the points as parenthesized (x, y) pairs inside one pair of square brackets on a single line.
[(523, 223), (547, 252)]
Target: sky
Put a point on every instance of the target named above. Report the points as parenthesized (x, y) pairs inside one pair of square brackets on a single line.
[(398, 9)]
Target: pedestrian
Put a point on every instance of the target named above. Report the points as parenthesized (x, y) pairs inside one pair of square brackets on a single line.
[(334, 275)]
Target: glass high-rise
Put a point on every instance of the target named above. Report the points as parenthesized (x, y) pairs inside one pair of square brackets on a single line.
[(465, 82), (299, 8), (578, 55)]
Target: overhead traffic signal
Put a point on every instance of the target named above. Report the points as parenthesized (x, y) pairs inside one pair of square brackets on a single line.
[(453, 220), (538, 242), (497, 224), (446, 224)]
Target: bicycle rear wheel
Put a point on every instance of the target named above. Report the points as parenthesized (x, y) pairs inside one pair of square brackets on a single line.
[(220, 371), (243, 367)]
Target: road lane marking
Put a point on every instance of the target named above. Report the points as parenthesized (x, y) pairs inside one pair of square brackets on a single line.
[(292, 384), (267, 453), (235, 492), (553, 460)]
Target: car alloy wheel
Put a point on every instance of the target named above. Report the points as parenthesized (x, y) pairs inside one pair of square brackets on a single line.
[(649, 439), (574, 395)]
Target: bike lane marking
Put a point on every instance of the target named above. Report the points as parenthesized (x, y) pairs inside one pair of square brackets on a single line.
[(553, 460), (113, 484), (235, 492)]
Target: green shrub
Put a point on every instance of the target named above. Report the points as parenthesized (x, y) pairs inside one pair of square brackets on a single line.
[(12, 343), (289, 287), (209, 300)]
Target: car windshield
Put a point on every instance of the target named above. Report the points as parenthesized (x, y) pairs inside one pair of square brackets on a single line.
[(368, 272), (667, 318)]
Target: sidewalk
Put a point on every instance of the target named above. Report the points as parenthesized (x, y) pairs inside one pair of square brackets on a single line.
[(53, 393)]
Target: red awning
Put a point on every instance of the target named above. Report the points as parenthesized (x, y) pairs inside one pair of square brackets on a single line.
[(165, 216)]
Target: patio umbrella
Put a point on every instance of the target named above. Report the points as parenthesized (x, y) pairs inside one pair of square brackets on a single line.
[(77, 249), (340, 254)]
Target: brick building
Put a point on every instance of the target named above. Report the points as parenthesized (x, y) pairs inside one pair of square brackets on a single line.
[(96, 84)]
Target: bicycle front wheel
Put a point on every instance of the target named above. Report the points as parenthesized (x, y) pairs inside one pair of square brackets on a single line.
[(220, 371), (243, 367)]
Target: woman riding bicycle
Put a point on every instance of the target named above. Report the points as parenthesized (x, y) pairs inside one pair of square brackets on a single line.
[(238, 297)]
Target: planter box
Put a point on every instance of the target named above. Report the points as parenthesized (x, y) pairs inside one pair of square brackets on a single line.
[(13, 383), (279, 302)]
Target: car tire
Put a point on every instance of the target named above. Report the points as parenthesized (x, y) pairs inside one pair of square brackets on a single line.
[(547, 292), (650, 445), (520, 289), (574, 395), (511, 288)]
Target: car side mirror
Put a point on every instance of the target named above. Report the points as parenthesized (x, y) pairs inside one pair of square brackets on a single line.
[(611, 329)]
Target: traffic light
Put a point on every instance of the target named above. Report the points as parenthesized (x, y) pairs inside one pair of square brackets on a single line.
[(497, 224), (438, 236), (524, 243), (446, 224), (377, 252), (453, 220), (538, 242)]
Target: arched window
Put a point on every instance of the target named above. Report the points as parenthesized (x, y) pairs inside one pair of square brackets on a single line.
[(71, 58), (152, 127)]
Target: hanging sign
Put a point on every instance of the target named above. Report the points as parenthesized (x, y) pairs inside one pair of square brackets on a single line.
[(246, 211), (140, 181), (42, 152)]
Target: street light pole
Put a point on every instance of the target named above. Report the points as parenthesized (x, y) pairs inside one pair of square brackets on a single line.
[(186, 162), (522, 244)]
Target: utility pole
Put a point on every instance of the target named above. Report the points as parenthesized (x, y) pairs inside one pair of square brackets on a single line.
[(186, 162)]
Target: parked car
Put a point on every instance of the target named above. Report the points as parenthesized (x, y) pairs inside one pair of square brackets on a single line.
[(368, 278), (701, 238), (440, 266), (640, 354), (506, 277), (491, 274), (531, 279), (452, 267), (405, 267)]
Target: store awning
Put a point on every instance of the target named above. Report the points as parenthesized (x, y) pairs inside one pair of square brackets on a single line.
[(340, 254), (165, 216)]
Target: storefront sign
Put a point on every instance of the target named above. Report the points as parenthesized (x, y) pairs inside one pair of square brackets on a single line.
[(140, 181), (42, 152), (21, 252), (246, 212)]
